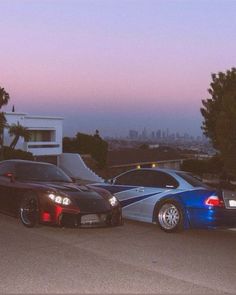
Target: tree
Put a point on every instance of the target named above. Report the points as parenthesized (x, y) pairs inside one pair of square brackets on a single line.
[(99, 150), (88, 144), (18, 131), (219, 117), (201, 167), (4, 98), (2, 122)]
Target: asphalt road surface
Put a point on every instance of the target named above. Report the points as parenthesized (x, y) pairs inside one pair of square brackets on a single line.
[(135, 258)]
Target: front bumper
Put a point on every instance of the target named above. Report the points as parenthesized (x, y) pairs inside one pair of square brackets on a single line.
[(74, 218), (211, 217), (91, 220)]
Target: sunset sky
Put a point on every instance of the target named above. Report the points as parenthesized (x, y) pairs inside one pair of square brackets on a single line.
[(115, 65)]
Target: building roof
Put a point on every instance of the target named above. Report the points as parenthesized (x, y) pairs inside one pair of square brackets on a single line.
[(33, 116)]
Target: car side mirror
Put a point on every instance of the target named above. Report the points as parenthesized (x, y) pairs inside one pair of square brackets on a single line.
[(111, 181)]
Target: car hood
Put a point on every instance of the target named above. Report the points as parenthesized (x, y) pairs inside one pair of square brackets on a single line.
[(87, 199), (67, 187)]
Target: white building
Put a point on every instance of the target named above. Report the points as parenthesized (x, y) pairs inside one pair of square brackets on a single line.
[(46, 144), (46, 134)]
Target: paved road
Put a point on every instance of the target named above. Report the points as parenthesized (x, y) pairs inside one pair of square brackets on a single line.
[(135, 258)]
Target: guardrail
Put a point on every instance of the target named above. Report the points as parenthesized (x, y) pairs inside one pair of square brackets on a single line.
[(171, 164)]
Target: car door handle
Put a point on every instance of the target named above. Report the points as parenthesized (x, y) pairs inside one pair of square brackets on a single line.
[(140, 189)]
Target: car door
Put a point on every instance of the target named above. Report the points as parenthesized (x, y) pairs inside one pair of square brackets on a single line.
[(6, 187), (132, 192), (158, 184)]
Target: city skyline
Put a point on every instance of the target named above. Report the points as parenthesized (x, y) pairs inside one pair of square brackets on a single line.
[(115, 65), (161, 134)]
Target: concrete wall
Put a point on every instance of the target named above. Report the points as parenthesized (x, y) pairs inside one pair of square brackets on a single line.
[(75, 167)]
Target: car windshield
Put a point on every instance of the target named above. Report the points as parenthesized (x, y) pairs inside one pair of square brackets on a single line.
[(40, 172), (191, 179)]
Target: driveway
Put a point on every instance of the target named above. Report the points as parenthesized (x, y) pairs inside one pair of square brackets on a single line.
[(135, 258)]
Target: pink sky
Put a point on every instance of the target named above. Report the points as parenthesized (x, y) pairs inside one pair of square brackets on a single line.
[(97, 62)]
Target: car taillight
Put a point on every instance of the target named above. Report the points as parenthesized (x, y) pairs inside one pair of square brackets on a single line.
[(214, 201)]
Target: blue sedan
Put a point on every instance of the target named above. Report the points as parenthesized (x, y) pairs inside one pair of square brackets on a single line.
[(174, 200)]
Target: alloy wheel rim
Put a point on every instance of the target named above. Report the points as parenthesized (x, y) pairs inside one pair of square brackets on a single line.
[(168, 216), (28, 211)]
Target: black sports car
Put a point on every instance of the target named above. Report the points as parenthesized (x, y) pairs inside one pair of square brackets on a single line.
[(39, 192)]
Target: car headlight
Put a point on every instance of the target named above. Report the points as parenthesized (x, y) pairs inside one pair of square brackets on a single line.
[(113, 201), (59, 199)]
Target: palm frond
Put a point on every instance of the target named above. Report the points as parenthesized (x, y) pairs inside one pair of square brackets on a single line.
[(4, 97)]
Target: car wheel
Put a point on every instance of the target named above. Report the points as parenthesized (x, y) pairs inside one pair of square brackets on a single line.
[(170, 216), (28, 211)]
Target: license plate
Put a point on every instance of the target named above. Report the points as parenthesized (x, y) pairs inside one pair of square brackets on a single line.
[(90, 219), (232, 203)]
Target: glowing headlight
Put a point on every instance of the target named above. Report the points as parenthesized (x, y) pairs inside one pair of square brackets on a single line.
[(60, 200), (113, 201), (52, 197), (66, 201)]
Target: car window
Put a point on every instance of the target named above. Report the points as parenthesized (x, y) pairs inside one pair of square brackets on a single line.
[(159, 179), (130, 178), (6, 167), (192, 180), (40, 172), (147, 178)]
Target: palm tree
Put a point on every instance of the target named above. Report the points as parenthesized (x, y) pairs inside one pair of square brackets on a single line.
[(4, 98), (18, 131), (3, 121)]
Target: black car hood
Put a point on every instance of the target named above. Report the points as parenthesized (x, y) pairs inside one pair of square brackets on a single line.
[(87, 199), (67, 187)]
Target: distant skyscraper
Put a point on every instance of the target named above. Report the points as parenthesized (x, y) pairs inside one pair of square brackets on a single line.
[(144, 133), (158, 134), (163, 134), (133, 134)]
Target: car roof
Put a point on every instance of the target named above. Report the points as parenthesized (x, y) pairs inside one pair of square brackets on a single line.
[(25, 161), (173, 172), (158, 169)]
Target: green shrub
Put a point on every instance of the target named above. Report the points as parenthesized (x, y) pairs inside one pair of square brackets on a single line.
[(9, 153)]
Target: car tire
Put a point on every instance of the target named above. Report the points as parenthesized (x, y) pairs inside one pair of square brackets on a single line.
[(169, 216), (29, 210)]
